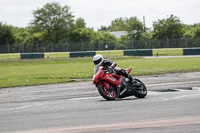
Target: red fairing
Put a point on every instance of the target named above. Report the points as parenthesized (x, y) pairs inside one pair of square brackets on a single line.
[(111, 79), (128, 70), (103, 77), (98, 75)]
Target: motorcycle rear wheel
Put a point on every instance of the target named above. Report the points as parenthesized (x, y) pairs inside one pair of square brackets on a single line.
[(140, 92), (107, 94)]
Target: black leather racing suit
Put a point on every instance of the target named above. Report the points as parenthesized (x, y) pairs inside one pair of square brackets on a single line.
[(108, 63)]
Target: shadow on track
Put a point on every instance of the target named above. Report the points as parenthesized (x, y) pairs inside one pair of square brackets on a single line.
[(121, 99)]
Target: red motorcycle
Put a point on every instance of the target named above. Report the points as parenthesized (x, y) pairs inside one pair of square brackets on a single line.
[(112, 86)]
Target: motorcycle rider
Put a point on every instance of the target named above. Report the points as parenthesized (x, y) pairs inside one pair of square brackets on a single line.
[(110, 66)]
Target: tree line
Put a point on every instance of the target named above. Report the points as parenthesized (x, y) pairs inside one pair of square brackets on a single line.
[(56, 23)]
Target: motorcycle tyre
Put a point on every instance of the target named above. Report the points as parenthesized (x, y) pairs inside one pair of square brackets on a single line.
[(104, 95), (139, 94)]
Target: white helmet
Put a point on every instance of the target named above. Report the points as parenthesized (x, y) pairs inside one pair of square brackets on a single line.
[(98, 59)]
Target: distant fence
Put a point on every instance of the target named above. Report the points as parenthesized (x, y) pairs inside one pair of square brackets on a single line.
[(99, 46), (116, 53)]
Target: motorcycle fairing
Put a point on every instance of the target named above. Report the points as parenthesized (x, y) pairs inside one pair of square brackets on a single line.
[(109, 78), (128, 70)]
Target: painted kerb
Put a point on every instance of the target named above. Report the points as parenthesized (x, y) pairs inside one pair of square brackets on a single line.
[(56, 55), (10, 56), (111, 53), (168, 52)]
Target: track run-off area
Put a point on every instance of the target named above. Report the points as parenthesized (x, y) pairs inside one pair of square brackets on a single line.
[(171, 105)]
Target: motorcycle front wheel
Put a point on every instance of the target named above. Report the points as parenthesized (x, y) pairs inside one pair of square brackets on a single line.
[(141, 91), (107, 94)]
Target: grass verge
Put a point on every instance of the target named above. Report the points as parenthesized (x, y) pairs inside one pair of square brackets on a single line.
[(38, 72)]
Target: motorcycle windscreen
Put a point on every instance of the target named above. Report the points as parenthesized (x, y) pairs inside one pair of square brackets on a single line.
[(96, 69)]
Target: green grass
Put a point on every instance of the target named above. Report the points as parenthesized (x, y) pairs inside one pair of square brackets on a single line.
[(38, 72)]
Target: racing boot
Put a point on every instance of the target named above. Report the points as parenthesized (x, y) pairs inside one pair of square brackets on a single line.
[(133, 82), (130, 79)]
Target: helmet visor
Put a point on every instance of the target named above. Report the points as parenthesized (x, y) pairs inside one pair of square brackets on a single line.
[(97, 61)]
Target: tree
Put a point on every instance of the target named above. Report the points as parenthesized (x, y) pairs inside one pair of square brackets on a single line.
[(118, 24), (20, 35), (105, 39), (80, 23), (55, 19), (6, 35), (82, 34), (188, 31), (170, 27), (103, 28), (191, 31), (197, 31), (132, 25)]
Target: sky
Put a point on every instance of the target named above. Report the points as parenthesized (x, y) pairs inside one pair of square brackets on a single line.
[(101, 12)]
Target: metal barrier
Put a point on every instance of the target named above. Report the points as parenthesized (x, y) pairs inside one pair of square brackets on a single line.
[(100, 46), (116, 53)]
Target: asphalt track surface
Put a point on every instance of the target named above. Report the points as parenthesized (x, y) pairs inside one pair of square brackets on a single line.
[(172, 105)]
